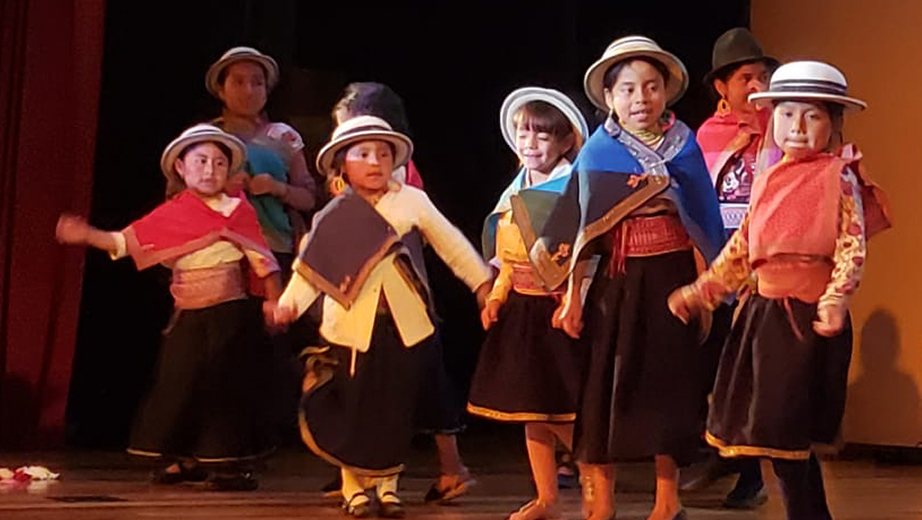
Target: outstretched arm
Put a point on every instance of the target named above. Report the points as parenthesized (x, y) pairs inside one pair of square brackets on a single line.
[(75, 230)]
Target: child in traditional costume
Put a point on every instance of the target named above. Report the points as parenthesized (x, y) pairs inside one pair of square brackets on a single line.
[(782, 377), (207, 400), (640, 197), (730, 140), (275, 178), (441, 405), (363, 256), (529, 372)]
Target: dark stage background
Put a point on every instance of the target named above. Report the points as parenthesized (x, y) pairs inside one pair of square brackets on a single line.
[(452, 64)]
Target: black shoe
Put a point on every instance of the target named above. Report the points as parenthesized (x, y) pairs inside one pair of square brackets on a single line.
[(392, 508), (702, 475), (356, 508), (232, 482), (746, 497), (163, 477)]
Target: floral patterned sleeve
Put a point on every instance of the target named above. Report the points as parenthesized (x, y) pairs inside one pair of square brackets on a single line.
[(729, 272), (851, 244)]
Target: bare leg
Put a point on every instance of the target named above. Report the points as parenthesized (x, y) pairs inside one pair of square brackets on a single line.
[(449, 458), (539, 440), (667, 489), (598, 481)]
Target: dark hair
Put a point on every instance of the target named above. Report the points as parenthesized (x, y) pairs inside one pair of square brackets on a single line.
[(370, 98), (541, 116), (221, 146), (611, 75)]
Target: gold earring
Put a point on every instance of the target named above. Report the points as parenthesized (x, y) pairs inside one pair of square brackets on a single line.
[(337, 185), (723, 107)]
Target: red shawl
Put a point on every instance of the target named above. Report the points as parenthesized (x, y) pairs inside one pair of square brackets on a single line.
[(794, 206), (723, 136), (186, 224)]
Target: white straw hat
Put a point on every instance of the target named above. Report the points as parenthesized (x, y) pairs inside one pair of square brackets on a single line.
[(235, 55), (633, 47), (520, 97), (809, 81), (202, 133), (364, 128)]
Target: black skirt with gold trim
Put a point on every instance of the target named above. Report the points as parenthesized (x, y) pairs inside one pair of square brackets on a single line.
[(780, 387), (364, 421), (527, 370)]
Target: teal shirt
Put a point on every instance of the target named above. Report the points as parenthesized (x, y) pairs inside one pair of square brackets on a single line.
[(273, 217)]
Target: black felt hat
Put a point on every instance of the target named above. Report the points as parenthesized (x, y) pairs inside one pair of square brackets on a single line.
[(734, 48)]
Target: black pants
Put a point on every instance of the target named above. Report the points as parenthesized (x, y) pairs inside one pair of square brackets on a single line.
[(802, 484)]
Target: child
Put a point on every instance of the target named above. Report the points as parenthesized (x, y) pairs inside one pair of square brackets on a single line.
[(529, 372), (363, 255), (641, 198), (440, 408), (782, 376), (205, 404)]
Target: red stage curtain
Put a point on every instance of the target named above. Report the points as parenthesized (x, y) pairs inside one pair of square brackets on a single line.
[(50, 68)]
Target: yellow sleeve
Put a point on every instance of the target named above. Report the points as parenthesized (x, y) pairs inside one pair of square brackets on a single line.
[(729, 272)]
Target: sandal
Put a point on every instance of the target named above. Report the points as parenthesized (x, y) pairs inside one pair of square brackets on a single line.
[(391, 506), (359, 506), (460, 485), (536, 510)]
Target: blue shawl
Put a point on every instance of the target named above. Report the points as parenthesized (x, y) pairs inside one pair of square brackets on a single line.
[(614, 174)]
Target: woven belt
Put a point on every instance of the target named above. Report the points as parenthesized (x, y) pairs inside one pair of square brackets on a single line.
[(646, 236), (200, 288), (525, 282)]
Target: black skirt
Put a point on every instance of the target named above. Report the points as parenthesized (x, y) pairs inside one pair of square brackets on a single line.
[(440, 404), (364, 421), (643, 385), (527, 370), (208, 400), (778, 390)]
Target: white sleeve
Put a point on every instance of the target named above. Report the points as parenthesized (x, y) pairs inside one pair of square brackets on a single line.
[(451, 245), (299, 294), (121, 248)]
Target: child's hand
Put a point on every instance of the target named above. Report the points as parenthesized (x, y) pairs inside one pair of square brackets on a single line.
[(482, 292), (490, 313), (262, 184), (72, 229), (237, 183), (830, 320), (571, 322), (278, 316), (684, 304)]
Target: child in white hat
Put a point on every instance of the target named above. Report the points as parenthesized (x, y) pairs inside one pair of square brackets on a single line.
[(782, 376), (205, 406), (529, 372), (363, 255)]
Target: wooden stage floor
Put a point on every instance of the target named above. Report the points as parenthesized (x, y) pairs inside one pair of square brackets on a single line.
[(112, 486)]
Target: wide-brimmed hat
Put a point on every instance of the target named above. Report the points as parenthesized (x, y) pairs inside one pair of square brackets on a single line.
[(734, 48), (363, 128), (237, 54), (202, 133), (634, 47), (520, 97), (809, 81)]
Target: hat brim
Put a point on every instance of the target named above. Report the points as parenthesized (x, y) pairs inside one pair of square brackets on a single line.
[(520, 97), (772, 63), (676, 84), (214, 72), (176, 147), (403, 148), (849, 103)]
